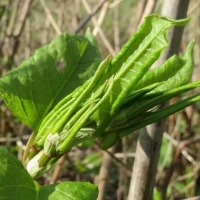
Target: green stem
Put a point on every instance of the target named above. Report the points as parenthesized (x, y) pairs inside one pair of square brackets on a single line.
[(28, 147)]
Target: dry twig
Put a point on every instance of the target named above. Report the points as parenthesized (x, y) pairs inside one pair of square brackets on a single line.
[(101, 180), (101, 33), (50, 17), (101, 18)]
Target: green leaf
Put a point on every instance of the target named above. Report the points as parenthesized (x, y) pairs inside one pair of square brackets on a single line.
[(143, 119), (156, 194), (176, 71), (135, 60), (173, 72), (183, 75), (55, 70), (161, 73), (147, 45), (69, 191), (158, 94), (89, 164), (132, 63), (17, 184)]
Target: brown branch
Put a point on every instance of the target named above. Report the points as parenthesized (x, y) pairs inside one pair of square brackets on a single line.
[(116, 29), (115, 158), (101, 18), (13, 18), (28, 38), (57, 170), (193, 198), (91, 13), (186, 143), (191, 10), (102, 178), (149, 8), (20, 26), (115, 3), (140, 11), (24, 14), (101, 33), (4, 26), (180, 148), (50, 17)]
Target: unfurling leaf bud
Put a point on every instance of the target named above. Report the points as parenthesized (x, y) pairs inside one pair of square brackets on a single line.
[(34, 167), (51, 144)]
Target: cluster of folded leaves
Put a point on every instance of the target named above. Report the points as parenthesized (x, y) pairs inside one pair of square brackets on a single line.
[(69, 96)]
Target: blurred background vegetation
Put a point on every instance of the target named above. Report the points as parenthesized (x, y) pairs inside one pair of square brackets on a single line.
[(26, 25)]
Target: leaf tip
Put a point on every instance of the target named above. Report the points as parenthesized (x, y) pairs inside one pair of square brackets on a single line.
[(175, 22), (190, 48)]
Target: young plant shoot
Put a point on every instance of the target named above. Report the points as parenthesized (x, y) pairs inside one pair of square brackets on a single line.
[(92, 98)]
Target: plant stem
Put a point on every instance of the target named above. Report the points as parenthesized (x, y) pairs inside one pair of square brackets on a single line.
[(28, 147)]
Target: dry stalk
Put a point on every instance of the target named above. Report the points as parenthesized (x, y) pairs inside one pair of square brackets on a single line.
[(101, 18), (101, 33), (50, 17), (102, 179), (149, 8)]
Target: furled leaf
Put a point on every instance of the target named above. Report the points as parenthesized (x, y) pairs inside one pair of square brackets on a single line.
[(162, 72), (110, 138), (155, 95), (132, 63), (17, 184), (173, 72), (133, 115), (154, 116), (147, 45), (183, 75), (55, 70)]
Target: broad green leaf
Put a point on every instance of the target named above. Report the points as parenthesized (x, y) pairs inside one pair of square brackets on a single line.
[(73, 108), (55, 70), (17, 184), (69, 191)]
